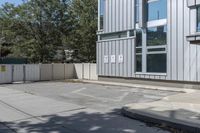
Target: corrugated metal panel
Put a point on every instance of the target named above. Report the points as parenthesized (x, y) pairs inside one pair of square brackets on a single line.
[(183, 58), (118, 47), (119, 15)]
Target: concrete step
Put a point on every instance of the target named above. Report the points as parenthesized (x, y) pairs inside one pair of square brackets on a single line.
[(186, 120)]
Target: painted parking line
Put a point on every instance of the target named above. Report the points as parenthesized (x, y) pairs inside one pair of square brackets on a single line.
[(100, 98)]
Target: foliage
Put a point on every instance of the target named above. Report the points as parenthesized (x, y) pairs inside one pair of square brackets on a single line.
[(37, 29)]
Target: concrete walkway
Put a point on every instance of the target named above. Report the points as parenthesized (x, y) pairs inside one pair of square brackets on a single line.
[(151, 87), (179, 111)]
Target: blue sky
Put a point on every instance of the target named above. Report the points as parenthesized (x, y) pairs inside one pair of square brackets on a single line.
[(16, 2)]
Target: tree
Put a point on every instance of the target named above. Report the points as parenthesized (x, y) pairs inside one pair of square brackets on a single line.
[(38, 29), (83, 37)]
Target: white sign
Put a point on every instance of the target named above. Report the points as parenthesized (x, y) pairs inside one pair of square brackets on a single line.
[(121, 58), (112, 58), (105, 59)]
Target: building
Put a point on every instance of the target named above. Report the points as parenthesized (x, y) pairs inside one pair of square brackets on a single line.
[(149, 39)]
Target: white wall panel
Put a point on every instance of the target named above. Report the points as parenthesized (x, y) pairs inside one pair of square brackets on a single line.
[(46, 72), (18, 73), (32, 72), (69, 71), (78, 71), (6, 76), (93, 72), (58, 71)]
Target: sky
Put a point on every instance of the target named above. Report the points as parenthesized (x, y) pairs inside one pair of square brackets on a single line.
[(16, 2)]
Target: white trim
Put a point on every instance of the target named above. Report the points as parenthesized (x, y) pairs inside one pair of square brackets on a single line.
[(156, 74), (116, 39), (156, 23)]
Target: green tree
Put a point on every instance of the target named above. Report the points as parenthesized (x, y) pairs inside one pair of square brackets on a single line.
[(83, 37), (38, 29)]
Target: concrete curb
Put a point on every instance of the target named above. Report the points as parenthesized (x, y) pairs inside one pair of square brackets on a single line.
[(161, 120), (150, 87)]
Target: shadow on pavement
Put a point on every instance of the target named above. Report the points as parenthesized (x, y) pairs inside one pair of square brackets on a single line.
[(82, 122)]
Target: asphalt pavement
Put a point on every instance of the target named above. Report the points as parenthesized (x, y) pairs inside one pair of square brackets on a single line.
[(60, 107)]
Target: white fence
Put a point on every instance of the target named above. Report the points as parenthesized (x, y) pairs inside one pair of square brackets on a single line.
[(46, 72)]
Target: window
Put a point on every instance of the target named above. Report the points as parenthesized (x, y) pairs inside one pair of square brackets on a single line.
[(157, 9), (157, 36), (157, 63), (131, 33), (138, 51), (113, 35), (151, 42), (198, 19), (156, 49), (137, 11), (101, 19)]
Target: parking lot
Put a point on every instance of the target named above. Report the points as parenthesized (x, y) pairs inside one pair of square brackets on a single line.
[(67, 107)]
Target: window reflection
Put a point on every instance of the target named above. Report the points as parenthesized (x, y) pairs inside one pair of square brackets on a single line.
[(157, 9), (198, 19), (139, 63), (157, 63), (101, 19), (138, 38), (157, 36), (137, 10)]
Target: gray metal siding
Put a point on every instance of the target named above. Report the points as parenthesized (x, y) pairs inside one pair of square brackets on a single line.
[(125, 47), (183, 58), (119, 15)]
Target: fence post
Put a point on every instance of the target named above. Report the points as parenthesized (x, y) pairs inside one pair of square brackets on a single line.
[(82, 70), (12, 73), (52, 72), (64, 72), (40, 78), (24, 73), (89, 71)]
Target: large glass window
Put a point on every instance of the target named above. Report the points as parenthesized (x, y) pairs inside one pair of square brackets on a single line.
[(137, 11), (156, 63), (138, 51), (156, 49), (113, 35), (157, 9), (157, 36), (102, 8), (198, 19), (152, 51)]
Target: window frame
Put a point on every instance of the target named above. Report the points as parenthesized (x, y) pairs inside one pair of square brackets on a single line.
[(147, 11), (138, 53), (156, 47), (145, 48)]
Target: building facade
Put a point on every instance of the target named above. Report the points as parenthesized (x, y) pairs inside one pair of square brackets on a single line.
[(150, 39)]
